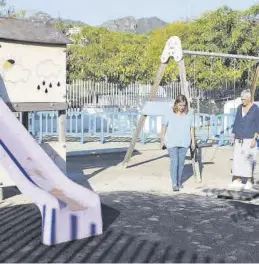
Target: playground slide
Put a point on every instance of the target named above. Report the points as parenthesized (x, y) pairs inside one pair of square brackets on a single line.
[(69, 211)]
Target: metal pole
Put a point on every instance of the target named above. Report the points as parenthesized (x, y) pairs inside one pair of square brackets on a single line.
[(254, 81), (222, 55)]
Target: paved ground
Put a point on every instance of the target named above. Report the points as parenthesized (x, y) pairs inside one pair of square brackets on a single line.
[(141, 227), (143, 220)]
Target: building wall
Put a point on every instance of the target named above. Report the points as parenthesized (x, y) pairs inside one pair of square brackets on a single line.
[(34, 73)]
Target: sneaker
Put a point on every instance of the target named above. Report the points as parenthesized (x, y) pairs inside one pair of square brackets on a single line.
[(180, 186), (248, 185), (237, 185), (175, 189)]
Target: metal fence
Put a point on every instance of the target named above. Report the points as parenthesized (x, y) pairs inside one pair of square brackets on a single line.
[(83, 94), (83, 125)]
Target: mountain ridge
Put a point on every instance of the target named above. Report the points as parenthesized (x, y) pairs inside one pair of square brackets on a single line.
[(128, 24), (131, 24)]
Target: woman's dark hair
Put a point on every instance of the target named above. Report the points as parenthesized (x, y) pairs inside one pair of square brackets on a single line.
[(180, 99)]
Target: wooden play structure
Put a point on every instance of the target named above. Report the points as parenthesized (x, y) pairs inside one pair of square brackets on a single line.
[(33, 78)]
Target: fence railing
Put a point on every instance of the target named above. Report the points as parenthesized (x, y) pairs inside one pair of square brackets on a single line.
[(82, 93), (83, 125), (86, 93)]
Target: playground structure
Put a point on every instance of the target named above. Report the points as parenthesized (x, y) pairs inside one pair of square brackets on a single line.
[(173, 48), (33, 78), (63, 204)]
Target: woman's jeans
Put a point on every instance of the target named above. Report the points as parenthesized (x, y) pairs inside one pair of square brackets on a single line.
[(177, 159)]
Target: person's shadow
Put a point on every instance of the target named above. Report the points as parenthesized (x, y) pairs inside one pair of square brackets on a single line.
[(187, 172)]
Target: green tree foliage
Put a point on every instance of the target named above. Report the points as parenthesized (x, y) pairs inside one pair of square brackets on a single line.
[(9, 11), (2, 6), (2, 3), (99, 54), (103, 55), (224, 31)]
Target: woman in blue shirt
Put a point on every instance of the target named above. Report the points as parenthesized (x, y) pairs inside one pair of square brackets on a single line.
[(177, 135)]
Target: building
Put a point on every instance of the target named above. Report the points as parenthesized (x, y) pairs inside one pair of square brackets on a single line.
[(32, 65)]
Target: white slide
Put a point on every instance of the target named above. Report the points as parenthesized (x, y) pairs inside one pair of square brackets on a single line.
[(69, 211)]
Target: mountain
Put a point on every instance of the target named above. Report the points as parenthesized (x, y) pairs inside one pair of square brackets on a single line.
[(126, 24), (145, 25), (133, 25), (45, 17)]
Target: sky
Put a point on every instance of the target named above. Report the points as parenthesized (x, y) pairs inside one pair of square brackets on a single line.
[(95, 12)]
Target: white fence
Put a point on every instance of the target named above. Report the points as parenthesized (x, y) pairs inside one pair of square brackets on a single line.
[(82, 93)]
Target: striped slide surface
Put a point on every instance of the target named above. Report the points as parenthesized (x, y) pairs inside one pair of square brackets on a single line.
[(69, 211)]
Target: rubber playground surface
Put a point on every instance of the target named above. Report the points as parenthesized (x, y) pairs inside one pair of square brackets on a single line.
[(144, 221)]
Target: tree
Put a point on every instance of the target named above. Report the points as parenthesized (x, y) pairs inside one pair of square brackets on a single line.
[(2, 6), (9, 11), (124, 57)]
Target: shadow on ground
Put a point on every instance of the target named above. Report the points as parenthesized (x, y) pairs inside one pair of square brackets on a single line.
[(100, 162), (8, 192), (240, 195), (142, 227), (107, 139)]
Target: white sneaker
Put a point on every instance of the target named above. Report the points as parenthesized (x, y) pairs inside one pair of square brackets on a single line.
[(248, 185), (237, 185)]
